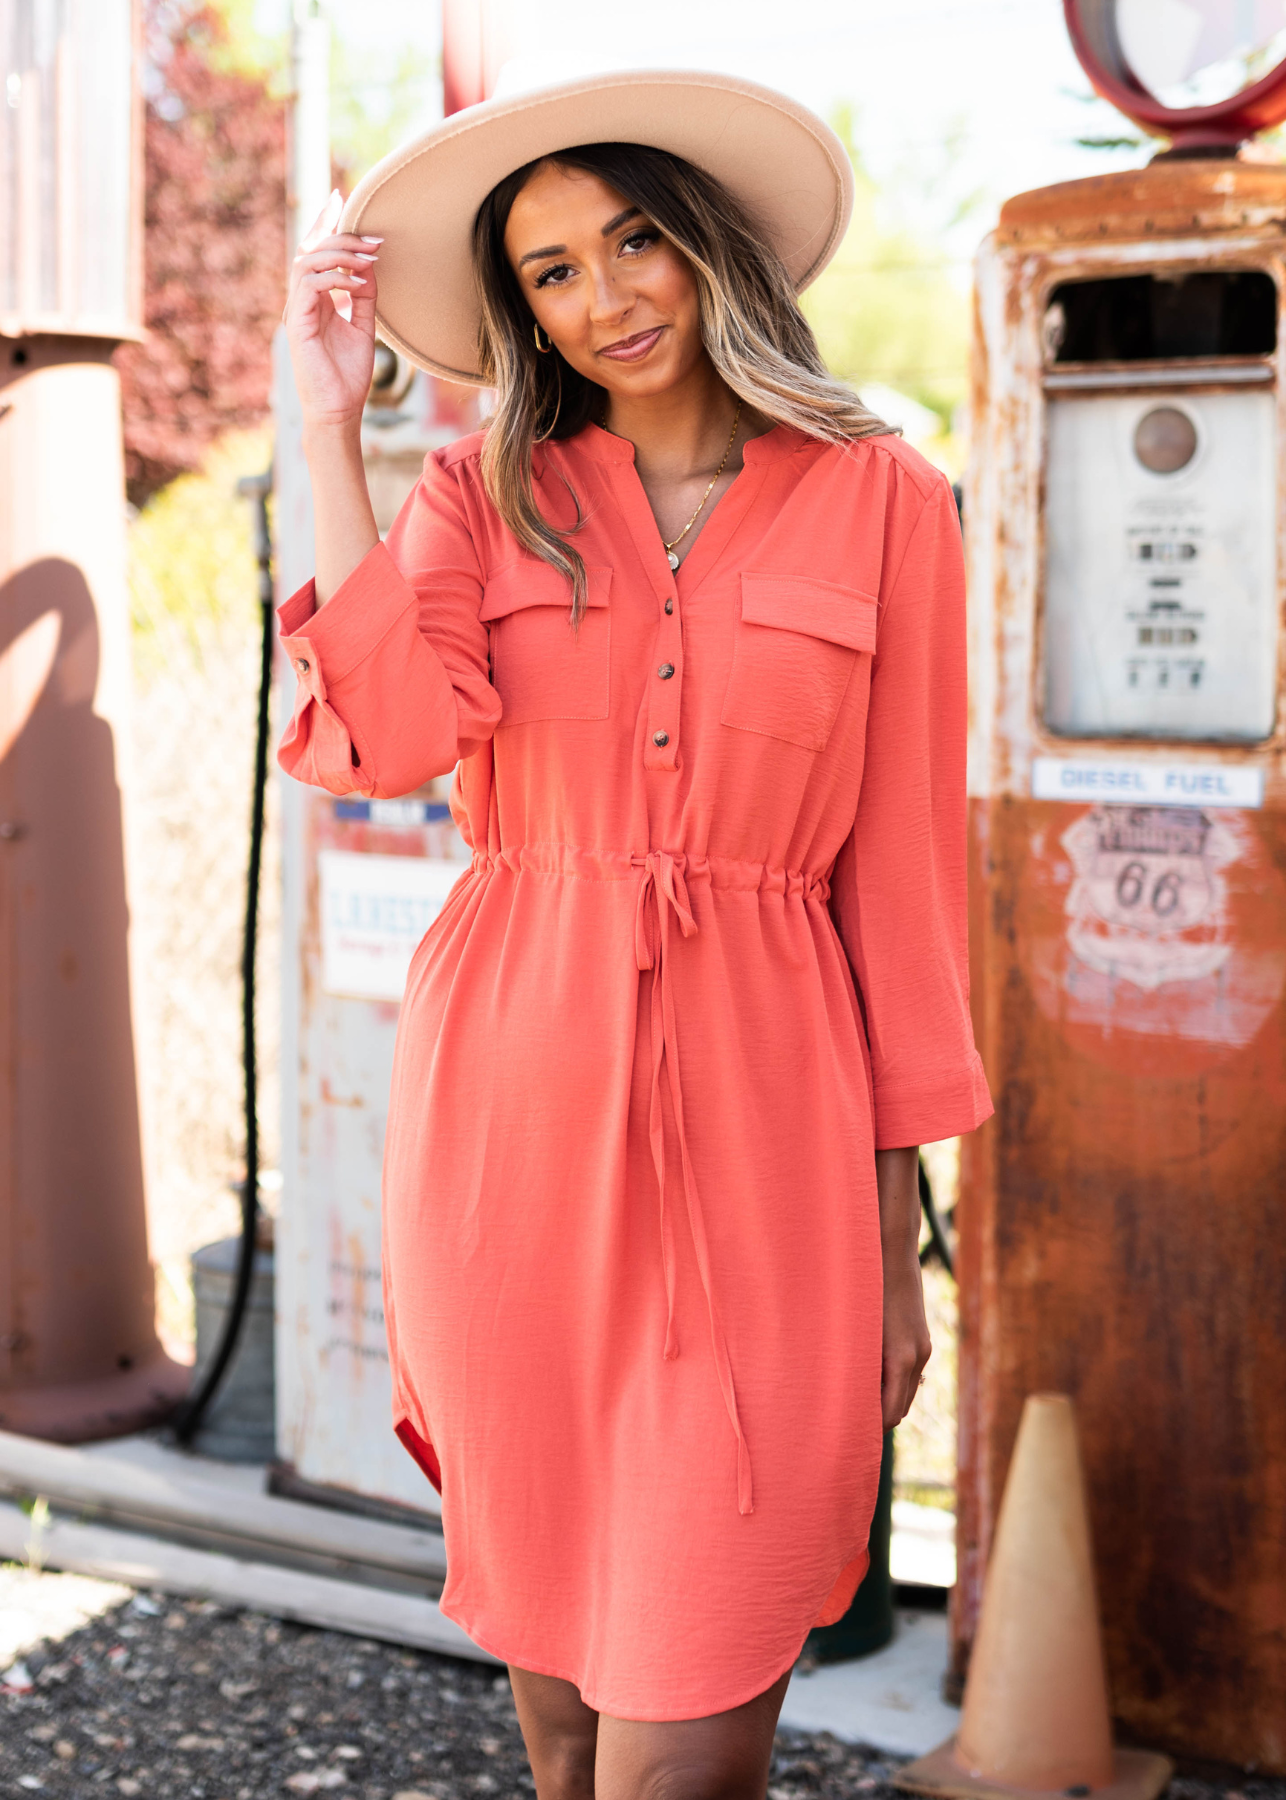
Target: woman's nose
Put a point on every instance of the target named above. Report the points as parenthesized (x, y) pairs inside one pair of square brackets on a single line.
[(608, 300)]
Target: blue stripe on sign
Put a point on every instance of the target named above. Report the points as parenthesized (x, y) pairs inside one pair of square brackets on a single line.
[(393, 812)]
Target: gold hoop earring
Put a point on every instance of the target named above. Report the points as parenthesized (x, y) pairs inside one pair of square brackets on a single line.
[(548, 345)]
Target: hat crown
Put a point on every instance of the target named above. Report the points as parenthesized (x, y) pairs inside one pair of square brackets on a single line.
[(785, 166)]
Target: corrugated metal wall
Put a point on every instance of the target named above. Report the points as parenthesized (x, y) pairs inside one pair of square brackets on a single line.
[(69, 167)]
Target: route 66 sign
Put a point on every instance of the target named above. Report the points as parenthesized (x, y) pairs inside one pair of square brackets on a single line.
[(1148, 900)]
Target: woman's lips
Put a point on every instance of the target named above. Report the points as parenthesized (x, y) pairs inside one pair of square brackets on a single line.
[(633, 349)]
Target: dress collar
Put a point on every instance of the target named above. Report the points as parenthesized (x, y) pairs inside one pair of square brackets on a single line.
[(604, 446)]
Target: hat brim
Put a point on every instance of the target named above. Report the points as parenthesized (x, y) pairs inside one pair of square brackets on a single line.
[(787, 168)]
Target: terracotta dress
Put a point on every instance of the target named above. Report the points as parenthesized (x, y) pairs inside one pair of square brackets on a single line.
[(709, 956)]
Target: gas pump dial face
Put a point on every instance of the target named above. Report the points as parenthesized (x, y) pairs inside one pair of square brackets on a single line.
[(1160, 566), (1204, 73), (1165, 440)]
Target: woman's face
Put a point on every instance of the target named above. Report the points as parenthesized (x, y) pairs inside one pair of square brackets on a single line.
[(615, 296)]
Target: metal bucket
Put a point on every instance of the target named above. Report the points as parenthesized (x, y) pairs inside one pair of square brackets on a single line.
[(240, 1422)]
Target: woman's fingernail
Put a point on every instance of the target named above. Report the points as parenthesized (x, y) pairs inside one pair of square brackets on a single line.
[(363, 257), (359, 279), (372, 240)]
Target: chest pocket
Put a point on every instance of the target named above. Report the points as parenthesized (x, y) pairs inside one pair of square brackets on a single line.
[(795, 650), (540, 667)]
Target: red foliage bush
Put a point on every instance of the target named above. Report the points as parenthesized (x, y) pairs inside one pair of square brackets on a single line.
[(214, 251)]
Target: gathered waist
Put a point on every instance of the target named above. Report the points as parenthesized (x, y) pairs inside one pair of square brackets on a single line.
[(724, 872)]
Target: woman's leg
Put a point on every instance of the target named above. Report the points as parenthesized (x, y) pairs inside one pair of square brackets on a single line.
[(559, 1731), (724, 1757)]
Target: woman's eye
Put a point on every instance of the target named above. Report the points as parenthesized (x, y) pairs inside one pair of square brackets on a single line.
[(557, 273), (639, 240)]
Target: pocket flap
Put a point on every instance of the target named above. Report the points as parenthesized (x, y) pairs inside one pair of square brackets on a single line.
[(824, 609), (531, 582)]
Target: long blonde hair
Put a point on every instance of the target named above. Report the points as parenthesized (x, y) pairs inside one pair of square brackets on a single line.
[(751, 326)]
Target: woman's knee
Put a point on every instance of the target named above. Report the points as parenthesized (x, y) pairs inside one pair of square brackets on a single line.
[(694, 1777), (725, 1756), (560, 1732), (723, 1772), (564, 1769)]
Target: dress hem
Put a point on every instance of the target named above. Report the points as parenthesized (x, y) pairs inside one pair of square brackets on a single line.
[(425, 1456), (758, 1687)]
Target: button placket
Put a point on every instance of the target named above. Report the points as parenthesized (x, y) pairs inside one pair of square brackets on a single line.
[(665, 689)]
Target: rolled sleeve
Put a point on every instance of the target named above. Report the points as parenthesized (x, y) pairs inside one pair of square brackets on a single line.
[(393, 674)]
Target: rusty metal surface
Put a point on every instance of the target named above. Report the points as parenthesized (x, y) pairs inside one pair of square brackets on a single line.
[(1123, 1234), (78, 1353), (1164, 199)]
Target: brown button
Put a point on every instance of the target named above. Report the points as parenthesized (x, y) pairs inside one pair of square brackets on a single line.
[(301, 665), (669, 606), (660, 739), (665, 671)]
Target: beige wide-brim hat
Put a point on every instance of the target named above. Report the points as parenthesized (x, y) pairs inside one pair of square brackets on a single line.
[(788, 169)]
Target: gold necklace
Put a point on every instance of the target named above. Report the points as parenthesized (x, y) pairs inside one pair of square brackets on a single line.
[(669, 548)]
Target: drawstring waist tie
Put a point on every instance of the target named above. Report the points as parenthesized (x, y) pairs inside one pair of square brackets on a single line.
[(662, 898)]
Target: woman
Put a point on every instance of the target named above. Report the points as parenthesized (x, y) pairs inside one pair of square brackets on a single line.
[(690, 620)]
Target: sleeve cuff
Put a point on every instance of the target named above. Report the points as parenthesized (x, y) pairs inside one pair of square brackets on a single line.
[(294, 614), (903, 1118), (337, 637)]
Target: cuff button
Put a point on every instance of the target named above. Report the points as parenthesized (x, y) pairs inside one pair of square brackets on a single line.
[(302, 665)]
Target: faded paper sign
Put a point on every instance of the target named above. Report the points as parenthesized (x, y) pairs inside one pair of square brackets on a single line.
[(374, 911)]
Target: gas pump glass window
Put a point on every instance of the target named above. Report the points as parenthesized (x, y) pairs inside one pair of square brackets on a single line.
[(1160, 603), (1199, 52)]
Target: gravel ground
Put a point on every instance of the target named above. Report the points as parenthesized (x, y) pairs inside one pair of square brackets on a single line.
[(164, 1698)]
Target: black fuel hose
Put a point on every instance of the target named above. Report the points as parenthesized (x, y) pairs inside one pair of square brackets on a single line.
[(191, 1410), (937, 1244)]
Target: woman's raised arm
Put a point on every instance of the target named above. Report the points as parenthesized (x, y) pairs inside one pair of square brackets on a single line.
[(393, 680), (332, 358)]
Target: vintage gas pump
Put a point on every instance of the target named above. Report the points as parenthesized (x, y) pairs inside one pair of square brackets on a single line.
[(1123, 1227), (363, 881)]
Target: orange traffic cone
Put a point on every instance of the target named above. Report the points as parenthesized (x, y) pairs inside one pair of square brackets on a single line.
[(1035, 1718)]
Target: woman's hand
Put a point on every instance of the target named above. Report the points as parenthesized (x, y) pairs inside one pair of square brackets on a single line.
[(906, 1330), (332, 355), (332, 358)]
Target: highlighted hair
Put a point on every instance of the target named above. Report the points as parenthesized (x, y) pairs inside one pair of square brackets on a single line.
[(754, 334)]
